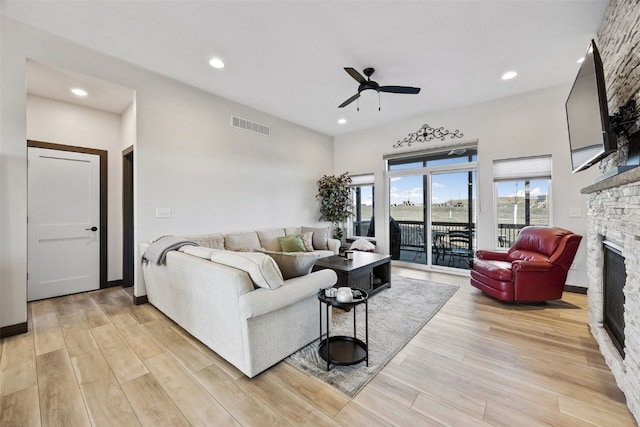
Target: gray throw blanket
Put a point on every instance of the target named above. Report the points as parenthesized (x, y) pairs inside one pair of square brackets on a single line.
[(157, 250)]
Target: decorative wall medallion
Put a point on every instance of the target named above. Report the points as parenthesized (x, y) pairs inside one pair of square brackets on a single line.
[(427, 133)]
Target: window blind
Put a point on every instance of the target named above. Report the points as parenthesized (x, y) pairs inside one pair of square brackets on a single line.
[(524, 167), (358, 180)]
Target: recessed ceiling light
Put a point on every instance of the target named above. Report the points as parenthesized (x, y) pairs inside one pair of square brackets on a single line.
[(509, 75), (581, 60), (342, 121), (79, 92), (216, 63)]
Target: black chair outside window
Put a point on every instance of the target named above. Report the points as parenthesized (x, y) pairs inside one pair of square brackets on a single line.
[(459, 247)]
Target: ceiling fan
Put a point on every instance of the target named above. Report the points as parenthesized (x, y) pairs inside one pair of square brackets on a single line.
[(368, 84)]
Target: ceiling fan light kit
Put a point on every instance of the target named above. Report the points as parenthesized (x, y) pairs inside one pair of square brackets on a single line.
[(368, 84)]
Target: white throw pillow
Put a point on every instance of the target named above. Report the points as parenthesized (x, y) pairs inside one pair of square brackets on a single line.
[(262, 269), (362, 245)]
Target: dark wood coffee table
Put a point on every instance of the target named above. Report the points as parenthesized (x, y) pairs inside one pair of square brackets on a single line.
[(368, 271)]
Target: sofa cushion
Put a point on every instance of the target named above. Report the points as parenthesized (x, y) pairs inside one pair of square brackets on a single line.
[(269, 238), (291, 244), (198, 251), (294, 264), (242, 241), (262, 269), (213, 241), (307, 241), (497, 270), (320, 236), (290, 231)]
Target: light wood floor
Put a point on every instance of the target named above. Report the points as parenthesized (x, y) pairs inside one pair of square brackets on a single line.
[(96, 359)]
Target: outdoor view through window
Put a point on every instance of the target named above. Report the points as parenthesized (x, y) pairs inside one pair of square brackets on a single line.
[(432, 203)]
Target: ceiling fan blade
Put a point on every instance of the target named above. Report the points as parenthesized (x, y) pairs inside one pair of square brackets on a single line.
[(355, 74), (349, 101), (400, 89)]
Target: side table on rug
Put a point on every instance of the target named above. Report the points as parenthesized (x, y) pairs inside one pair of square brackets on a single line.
[(342, 349)]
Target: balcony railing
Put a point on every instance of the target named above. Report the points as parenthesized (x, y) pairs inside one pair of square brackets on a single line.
[(412, 232)]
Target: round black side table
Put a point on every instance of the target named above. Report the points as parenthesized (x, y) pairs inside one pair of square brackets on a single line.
[(342, 349)]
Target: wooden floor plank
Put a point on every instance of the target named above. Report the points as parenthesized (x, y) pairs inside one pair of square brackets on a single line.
[(151, 403), (21, 408), (124, 363), (187, 354), (597, 415), (392, 411), (104, 399), (18, 364), (296, 410), (445, 413), (354, 415), (61, 402), (190, 397), (322, 396), (476, 362), (244, 406), (139, 339)]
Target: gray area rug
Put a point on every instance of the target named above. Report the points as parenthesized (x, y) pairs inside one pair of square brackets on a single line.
[(396, 314)]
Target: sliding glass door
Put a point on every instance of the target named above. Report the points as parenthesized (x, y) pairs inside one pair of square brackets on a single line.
[(453, 218), (432, 206)]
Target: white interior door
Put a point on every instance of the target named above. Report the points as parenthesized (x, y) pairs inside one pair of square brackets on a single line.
[(64, 215)]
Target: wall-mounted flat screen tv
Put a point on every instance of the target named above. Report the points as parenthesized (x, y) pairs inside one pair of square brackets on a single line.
[(590, 135)]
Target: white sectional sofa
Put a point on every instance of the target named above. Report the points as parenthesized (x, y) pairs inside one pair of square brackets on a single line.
[(234, 301)]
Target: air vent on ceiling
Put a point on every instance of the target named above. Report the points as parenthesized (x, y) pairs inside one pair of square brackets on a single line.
[(239, 123)]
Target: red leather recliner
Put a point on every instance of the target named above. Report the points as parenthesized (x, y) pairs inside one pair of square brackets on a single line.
[(534, 269)]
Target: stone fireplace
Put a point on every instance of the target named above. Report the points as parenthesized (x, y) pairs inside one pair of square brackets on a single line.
[(614, 216)]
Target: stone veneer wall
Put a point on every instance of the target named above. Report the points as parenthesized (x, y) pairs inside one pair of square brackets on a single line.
[(618, 41), (614, 214), (614, 204)]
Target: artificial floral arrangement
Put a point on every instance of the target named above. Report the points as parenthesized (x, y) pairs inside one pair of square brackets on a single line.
[(335, 201)]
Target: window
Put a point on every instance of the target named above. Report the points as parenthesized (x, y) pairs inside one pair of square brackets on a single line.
[(431, 199), (362, 195), (522, 195)]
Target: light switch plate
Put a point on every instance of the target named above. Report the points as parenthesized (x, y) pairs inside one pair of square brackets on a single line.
[(575, 213), (163, 212)]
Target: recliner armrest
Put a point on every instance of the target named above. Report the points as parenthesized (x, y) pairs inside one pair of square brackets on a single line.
[(491, 255), (526, 266)]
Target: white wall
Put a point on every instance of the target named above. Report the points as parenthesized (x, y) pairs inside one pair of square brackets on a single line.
[(518, 126), (187, 157), (58, 122)]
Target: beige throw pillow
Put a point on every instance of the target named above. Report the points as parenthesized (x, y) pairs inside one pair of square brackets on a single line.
[(294, 264), (307, 241), (320, 236)]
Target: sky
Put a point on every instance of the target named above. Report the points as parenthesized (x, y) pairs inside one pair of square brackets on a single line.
[(450, 186)]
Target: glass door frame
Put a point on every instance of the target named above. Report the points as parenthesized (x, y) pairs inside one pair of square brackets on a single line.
[(428, 172)]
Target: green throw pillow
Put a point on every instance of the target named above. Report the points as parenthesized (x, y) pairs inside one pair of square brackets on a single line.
[(291, 243)]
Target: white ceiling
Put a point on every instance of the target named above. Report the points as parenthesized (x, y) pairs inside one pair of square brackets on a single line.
[(287, 57)]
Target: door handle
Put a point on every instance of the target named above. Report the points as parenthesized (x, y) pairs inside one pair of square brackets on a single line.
[(94, 228)]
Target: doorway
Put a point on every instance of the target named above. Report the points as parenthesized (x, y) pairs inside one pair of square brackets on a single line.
[(67, 220), (128, 250)]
